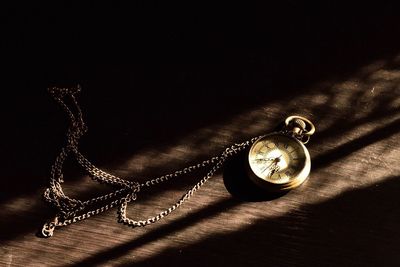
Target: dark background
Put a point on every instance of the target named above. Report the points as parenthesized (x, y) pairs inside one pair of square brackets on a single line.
[(173, 67), (153, 73)]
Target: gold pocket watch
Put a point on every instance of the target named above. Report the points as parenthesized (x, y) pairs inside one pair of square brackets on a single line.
[(277, 162), (280, 161)]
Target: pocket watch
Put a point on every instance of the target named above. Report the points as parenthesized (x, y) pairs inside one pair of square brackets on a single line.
[(280, 161), (277, 162)]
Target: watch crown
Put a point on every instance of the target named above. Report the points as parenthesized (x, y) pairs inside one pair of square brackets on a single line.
[(300, 123)]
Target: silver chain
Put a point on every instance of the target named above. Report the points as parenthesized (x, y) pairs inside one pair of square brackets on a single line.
[(73, 210)]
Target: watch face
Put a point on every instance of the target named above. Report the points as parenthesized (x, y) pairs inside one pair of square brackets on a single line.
[(279, 160)]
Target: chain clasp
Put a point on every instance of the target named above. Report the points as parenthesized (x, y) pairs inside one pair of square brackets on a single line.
[(48, 228)]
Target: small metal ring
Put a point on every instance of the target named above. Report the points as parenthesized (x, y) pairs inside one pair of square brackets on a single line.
[(305, 139), (48, 229), (311, 131)]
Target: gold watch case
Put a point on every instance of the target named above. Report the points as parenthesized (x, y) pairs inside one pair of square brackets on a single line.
[(279, 161)]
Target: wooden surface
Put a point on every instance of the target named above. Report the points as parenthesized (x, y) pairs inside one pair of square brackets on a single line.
[(148, 120)]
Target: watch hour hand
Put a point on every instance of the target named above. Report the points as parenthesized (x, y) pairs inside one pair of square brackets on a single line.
[(267, 159)]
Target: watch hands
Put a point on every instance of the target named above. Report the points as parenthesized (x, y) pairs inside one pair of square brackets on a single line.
[(273, 165), (268, 159)]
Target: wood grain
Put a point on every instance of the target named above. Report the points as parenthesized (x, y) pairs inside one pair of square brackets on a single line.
[(346, 214)]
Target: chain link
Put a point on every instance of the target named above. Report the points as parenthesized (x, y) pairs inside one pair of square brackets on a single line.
[(68, 208)]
